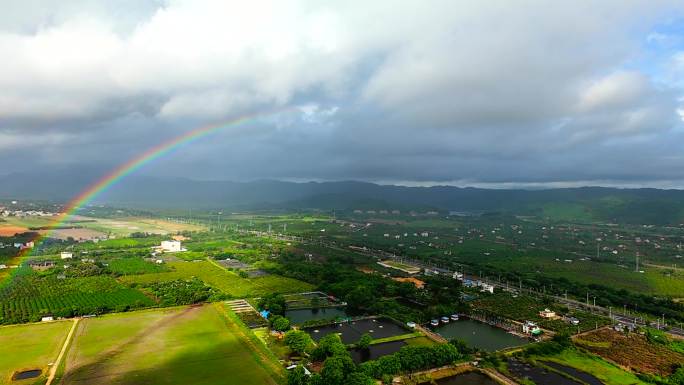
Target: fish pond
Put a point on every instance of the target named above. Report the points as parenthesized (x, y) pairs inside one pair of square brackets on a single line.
[(299, 316), (469, 378), (480, 335), (376, 351), (351, 331), (543, 376)]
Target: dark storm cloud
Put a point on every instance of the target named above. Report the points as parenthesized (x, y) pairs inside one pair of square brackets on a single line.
[(447, 93)]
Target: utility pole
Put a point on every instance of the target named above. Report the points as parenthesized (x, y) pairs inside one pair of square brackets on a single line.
[(636, 268), (597, 250)]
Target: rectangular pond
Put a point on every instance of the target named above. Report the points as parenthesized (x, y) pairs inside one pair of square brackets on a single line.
[(376, 351), (479, 335), (351, 331), (539, 376), (469, 378), (584, 376), (299, 316)]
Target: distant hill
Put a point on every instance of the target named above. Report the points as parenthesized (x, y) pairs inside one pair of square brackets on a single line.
[(652, 206)]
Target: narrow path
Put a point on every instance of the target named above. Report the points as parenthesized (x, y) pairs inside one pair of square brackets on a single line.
[(213, 262), (432, 335), (55, 365), (499, 377)]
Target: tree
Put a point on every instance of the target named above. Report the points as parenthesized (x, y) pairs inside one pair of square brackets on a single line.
[(364, 342), (461, 346), (360, 298), (279, 323), (275, 303), (359, 378), (337, 368), (328, 346), (297, 376), (389, 365), (298, 340)]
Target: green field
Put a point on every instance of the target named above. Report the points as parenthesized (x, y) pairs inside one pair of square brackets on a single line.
[(187, 345), (28, 297), (653, 280), (608, 373), (34, 346), (128, 266), (224, 280)]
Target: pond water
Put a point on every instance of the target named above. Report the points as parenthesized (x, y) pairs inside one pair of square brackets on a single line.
[(539, 376), (376, 351), (298, 316), (584, 376), (470, 378), (26, 374), (480, 335), (350, 332)]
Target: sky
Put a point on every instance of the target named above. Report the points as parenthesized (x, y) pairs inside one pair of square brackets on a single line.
[(495, 93)]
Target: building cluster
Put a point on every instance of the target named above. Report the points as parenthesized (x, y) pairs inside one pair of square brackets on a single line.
[(383, 212), (23, 246), (4, 212), (395, 212)]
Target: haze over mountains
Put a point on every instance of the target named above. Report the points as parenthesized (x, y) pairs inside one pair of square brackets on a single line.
[(584, 204)]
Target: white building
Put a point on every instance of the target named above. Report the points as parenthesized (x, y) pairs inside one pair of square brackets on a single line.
[(487, 288), (171, 246), (546, 313), (530, 327), (66, 255)]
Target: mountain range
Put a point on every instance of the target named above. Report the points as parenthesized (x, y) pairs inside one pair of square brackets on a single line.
[(640, 206)]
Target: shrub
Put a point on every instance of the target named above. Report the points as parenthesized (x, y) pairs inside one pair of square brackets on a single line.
[(279, 323)]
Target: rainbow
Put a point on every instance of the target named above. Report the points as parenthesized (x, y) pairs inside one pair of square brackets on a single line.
[(120, 172)]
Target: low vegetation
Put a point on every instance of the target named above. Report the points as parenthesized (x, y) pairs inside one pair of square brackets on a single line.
[(633, 351)]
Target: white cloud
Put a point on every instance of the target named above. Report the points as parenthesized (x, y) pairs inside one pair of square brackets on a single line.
[(396, 87)]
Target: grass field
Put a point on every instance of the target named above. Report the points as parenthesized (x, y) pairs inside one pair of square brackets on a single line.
[(608, 373), (187, 345), (653, 280), (33, 346), (224, 280)]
